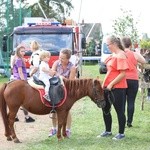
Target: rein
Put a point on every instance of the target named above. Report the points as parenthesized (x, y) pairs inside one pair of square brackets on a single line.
[(111, 99)]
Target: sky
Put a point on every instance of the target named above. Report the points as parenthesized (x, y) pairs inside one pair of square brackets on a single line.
[(95, 11)]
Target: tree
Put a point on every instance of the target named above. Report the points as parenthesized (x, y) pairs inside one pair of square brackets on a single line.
[(126, 26), (12, 16), (62, 7), (58, 9), (91, 48)]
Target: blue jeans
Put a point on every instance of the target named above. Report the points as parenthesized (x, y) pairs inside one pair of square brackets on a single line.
[(131, 93)]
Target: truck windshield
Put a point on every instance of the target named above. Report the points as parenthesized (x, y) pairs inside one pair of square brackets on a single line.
[(50, 42), (106, 49)]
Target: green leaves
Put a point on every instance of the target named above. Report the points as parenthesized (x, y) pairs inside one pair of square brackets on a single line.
[(145, 44), (125, 25)]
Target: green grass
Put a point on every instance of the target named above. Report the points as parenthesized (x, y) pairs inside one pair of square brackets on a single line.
[(87, 123), (3, 79)]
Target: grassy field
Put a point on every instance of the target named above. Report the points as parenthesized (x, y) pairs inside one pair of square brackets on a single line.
[(88, 123), (3, 79)]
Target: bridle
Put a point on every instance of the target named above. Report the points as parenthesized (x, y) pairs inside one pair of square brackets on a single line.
[(96, 99)]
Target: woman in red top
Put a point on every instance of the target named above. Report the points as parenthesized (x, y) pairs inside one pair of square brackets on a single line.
[(115, 82), (132, 77)]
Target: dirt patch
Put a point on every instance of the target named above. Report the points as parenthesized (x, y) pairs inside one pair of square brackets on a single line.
[(26, 132)]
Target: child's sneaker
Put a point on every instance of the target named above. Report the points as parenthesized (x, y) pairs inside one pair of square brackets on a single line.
[(30, 119), (52, 132), (16, 119), (68, 132), (46, 97)]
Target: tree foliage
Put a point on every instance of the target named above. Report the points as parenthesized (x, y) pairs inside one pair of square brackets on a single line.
[(145, 44), (62, 7), (12, 15), (58, 9), (91, 48), (125, 25)]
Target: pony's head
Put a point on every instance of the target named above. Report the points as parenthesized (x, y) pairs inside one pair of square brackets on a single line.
[(97, 93)]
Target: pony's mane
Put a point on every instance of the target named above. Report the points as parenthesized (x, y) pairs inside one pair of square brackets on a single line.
[(74, 86)]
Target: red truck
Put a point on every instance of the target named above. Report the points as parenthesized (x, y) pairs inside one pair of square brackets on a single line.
[(52, 36)]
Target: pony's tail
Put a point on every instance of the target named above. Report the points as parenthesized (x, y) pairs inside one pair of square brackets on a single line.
[(3, 107)]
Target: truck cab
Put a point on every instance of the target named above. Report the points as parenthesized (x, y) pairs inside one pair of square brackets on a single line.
[(105, 52), (52, 36)]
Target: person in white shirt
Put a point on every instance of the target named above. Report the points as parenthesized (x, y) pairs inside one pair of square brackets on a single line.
[(76, 62), (45, 73), (34, 59)]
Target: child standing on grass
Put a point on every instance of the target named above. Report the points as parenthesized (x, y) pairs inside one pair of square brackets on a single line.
[(45, 72), (20, 73)]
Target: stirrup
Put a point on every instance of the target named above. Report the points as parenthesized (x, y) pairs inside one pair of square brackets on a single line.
[(51, 112)]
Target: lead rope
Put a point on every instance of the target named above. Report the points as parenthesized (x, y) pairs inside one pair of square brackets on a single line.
[(111, 100)]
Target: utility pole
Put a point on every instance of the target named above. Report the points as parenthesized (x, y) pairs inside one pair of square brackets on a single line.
[(90, 31), (42, 10), (80, 12), (20, 13), (6, 54)]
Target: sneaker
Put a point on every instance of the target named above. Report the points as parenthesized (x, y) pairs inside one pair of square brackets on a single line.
[(129, 125), (16, 119), (68, 132), (119, 136), (105, 134), (52, 132), (47, 97), (30, 119)]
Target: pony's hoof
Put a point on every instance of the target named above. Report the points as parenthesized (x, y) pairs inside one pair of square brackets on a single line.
[(9, 138), (66, 136), (16, 140), (60, 139)]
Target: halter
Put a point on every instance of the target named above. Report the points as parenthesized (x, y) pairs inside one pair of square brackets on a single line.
[(97, 100)]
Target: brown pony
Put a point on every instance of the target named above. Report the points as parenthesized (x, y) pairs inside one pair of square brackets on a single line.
[(20, 93)]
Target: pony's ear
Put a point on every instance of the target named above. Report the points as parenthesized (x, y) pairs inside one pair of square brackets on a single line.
[(98, 77)]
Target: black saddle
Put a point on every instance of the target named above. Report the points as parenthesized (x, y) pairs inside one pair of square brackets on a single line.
[(56, 90)]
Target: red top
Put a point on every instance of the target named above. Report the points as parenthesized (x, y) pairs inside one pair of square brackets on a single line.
[(114, 66), (132, 73)]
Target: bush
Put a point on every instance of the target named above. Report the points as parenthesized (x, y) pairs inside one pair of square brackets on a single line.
[(145, 44)]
